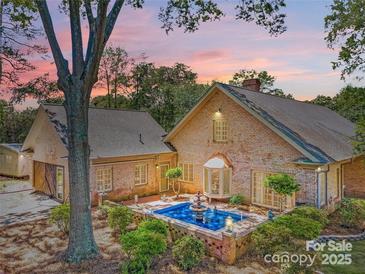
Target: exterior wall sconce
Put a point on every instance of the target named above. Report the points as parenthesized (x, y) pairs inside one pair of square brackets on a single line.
[(157, 166), (229, 224)]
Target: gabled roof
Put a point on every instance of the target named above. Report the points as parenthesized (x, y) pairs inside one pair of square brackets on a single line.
[(114, 133), (319, 133)]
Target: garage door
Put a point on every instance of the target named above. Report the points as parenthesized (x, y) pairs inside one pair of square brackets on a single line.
[(45, 179)]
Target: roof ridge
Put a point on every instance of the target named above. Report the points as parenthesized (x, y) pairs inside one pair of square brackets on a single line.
[(99, 108), (268, 94)]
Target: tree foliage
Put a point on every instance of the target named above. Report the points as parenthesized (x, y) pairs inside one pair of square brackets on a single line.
[(266, 80), (345, 29), (283, 184), (17, 37), (14, 124)]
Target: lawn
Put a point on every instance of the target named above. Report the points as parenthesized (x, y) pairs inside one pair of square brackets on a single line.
[(358, 262)]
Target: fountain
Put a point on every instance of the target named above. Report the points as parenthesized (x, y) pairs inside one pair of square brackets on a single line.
[(198, 208)]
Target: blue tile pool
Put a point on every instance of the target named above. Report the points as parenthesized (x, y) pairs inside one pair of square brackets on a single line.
[(213, 219)]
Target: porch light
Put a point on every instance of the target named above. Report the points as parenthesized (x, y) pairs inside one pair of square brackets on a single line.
[(157, 166), (229, 224)]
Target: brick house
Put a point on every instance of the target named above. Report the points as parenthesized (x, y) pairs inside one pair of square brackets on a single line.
[(127, 153), (234, 137), (227, 144)]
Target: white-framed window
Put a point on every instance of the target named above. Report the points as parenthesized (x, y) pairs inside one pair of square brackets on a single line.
[(104, 179), (140, 174), (265, 196), (187, 172), (220, 130), (9, 159)]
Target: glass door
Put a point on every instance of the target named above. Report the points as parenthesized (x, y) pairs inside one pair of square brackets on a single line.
[(164, 182)]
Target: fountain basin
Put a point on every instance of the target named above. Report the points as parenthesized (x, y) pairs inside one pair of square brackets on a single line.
[(212, 219)]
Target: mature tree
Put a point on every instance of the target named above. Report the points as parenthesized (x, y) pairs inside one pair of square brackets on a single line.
[(325, 101), (14, 125), (103, 101), (345, 29), (16, 39), (114, 72), (166, 92), (350, 103), (267, 81), (77, 83)]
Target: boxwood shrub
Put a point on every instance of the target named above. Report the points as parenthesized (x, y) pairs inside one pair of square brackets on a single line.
[(188, 252)]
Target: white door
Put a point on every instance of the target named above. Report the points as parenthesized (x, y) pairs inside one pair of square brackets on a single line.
[(164, 182)]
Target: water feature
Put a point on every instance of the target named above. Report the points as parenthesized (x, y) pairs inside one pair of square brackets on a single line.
[(198, 208), (212, 219)]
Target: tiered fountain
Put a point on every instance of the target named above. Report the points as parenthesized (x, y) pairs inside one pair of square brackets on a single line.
[(198, 208)]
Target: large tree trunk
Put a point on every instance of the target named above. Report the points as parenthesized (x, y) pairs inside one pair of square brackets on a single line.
[(81, 239)]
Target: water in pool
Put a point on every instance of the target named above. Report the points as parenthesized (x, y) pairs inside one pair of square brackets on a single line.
[(213, 219)]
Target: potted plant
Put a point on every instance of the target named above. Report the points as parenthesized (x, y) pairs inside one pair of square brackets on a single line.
[(174, 174)]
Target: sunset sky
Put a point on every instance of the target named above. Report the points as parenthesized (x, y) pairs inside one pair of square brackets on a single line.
[(298, 58)]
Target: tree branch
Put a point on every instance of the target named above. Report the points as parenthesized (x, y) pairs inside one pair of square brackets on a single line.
[(112, 18), (76, 37), (61, 63)]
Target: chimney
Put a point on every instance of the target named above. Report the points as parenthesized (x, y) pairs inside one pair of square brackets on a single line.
[(252, 84)]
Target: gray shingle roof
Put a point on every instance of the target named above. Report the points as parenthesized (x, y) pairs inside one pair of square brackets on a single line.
[(322, 132), (114, 133)]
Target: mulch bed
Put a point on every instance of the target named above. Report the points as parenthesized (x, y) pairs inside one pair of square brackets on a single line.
[(336, 228)]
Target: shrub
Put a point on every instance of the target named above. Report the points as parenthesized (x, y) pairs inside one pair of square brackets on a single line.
[(60, 215), (271, 237), (119, 218), (154, 225), (141, 246), (312, 213), (188, 252), (352, 212), (236, 199), (300, 227)]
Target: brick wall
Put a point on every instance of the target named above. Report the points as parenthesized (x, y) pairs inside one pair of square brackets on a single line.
[(251, 147), (354, 178)]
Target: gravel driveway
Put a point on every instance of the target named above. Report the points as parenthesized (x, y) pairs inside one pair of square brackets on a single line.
[(19, 204)]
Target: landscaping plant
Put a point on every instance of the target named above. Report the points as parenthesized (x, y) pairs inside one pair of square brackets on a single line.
[(173, 174), (352, 212), (188, 252), (313, 213), (119, 217), (236, 199), (60, 215), (142, 245), (154, 225), (282, 184)]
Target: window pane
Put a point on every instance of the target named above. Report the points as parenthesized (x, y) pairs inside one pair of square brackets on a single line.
[(206, 180), (215, 181), (226, 181)]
